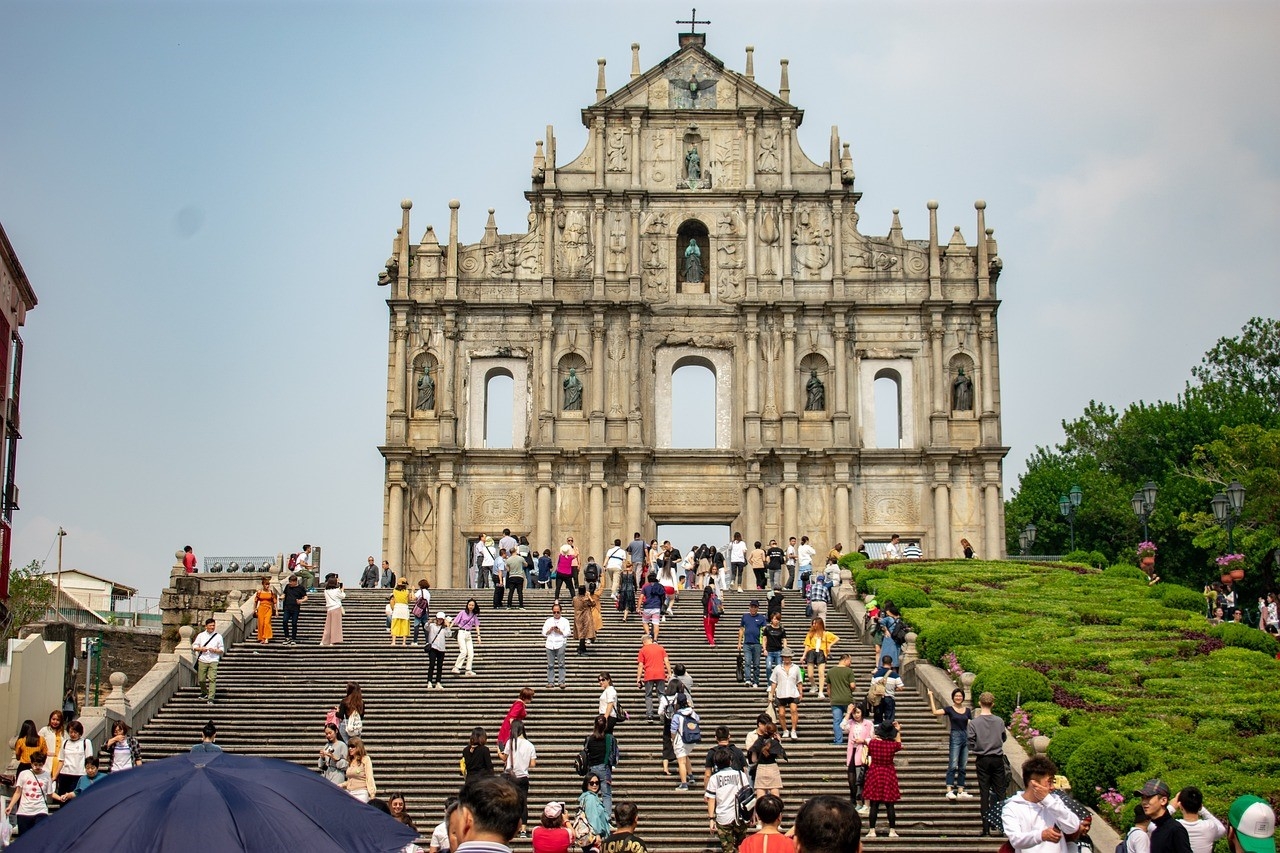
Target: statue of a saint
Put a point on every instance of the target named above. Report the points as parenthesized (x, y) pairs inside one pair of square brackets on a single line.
[(693, 164), (572, 392), (817, 401), (962, 393), (693, 261), (426, 400)]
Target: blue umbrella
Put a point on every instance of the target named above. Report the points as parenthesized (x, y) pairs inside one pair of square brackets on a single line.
[(218, 802)]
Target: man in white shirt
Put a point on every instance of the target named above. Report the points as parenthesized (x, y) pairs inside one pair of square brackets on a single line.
[(1203, 829), (722, 799), (557, 630), (209, 647), (784, 687), (303, 569), (508, 542), (893, 551), (613, 560), (790, 559), (1036, 820), (737, 559), (804, 556)]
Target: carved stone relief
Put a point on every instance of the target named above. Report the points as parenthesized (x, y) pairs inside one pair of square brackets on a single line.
[(728, 158), (768, 160), (616, 159), (656, 285), (705, 499), (692, 86), (501, 508), (659, 95), (730, 255), (573, 249), (726, 95), (770, 239), (961, 266), (811, 238), (853, 246), (619, 260), (891, 507), (422, 532), (660, 153)]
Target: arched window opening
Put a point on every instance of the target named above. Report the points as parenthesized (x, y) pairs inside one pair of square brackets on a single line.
[(888, 411), (693, 404), (499, 409)]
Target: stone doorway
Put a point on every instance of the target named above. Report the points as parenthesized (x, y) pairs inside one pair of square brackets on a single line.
[(685, 536)]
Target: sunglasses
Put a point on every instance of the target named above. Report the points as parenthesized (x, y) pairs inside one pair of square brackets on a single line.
[(593, 784)]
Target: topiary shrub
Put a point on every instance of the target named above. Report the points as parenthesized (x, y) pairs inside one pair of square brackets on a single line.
[(901, 595), (1180, 598), (1078, 556), (1011, 685), (1097, 559), (1066, 741), (852, 561), (1099, 762), (1243, 637), (862, 578), (1123, 572), (935, 641)]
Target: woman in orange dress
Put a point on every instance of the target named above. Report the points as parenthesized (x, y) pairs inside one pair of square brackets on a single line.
[(266, 602)]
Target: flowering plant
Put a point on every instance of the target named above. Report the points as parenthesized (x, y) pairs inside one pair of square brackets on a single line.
[(1226, 560), (1146, 549), (954, 669), (1020, 724), (1112, 798)]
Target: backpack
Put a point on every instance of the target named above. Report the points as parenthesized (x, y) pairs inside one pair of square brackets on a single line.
[(690, 729), (591, 573), (581, 829), (746, 798), (420, 607), (1123, 846), (716, 608), (899, 632), (580, 765), (293, 562), (875, 693)]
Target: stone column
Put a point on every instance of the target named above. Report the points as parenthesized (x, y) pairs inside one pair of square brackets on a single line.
[(942, 519), (445, 535), (939, 368), (994, 546), (599, 241), (986, 336), (597, 142), (842, 532), (788, 363), (984, 273), (635, 152), (634, 243), (755, 509), (788, 271), (596, 540), (786, 156), (635, 426), (547, 407), (935, 260), (790, 513), (750, 172), (398, 405), (634, 496), (597, 365), (751, 233), (395, 517), (542, 533), (548, 244), (445, 388)]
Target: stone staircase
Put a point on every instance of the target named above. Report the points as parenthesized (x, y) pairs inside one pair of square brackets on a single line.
[(272, 701)]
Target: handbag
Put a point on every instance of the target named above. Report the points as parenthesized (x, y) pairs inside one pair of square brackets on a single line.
[(10, 774), (355, 725)]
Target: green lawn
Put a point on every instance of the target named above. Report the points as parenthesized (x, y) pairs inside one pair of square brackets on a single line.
[(1131, 682)]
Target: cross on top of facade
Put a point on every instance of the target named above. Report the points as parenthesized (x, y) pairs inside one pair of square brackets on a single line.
[(693, 21)]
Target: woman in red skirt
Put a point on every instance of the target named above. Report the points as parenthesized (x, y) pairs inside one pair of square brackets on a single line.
[(882, 777)]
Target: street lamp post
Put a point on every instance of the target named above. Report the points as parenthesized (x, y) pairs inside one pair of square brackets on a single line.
[(1144, 503), (1067, 506), (1027, 538), (1227, 507)]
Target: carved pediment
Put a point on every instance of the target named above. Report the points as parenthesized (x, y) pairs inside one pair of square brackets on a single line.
[(690, 79)]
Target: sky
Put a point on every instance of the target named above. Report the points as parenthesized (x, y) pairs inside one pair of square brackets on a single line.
[(203, 193)]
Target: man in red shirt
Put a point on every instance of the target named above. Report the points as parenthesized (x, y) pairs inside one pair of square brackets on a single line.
[(189, 560), (653, 669)]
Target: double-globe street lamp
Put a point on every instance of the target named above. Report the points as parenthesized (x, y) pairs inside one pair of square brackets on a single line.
[(1067, 506), (1027, 538), (1144, 503), (1227, 507)]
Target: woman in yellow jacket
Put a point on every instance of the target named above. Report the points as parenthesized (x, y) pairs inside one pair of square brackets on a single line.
[(817, 648)]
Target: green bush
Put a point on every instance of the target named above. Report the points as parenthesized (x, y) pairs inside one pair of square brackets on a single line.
[(1066, 740), (1100, 761), (1123, 572), (852, 560), (1098, 560), (1180, 598), (1078, 556), (1243, 637), (1011, 685), (862, 578), (900, 594), (934, 641)]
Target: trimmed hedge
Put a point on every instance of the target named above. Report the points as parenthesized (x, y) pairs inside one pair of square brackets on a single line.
[(935, 640), (1100, 761), (1012, 685), (900, 594), (1064, 743), (852, 561), (862, 579), (1123, 572), (1244, 637), (1180, 598)]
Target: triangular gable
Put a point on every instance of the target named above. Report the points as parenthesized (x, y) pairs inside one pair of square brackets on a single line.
[(692, 76)]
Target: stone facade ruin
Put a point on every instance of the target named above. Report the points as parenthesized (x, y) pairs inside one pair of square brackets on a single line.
[(692, 230)]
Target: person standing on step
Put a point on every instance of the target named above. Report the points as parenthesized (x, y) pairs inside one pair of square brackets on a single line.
[(775, 640), (476, 758), (614, 560), (770, 838), (519, 756), (775, 557), (763, 754), (421, 612), (333, 756), (958, 755), (369, 577), (209, 648), (304, 568), (681, 720), (819, 594), (669, 577), (564, 570), (882, 777), (517, 712), (488, 555), (359, 782), (653, 668), (986, 742), (608, 703), (887, 682), (350, 710), (638, 553), (817, 648), (721, 795), (294, 594), (652, 597), (516, 566), (437, 643), (785, 689), (749, 628), (265, 601), (1038, 820), (737, 758), (804, 557), (602, 757), (400, 613), (208, 736), (499, 577), (508, 542), (843, 686), (627, 594), (585, 606), (712, 608), (719, 568), (333, 597), (857, 756), (755, 561), (792, 554), (387, 578), (467, 624), (556, 630), (737, 559)]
